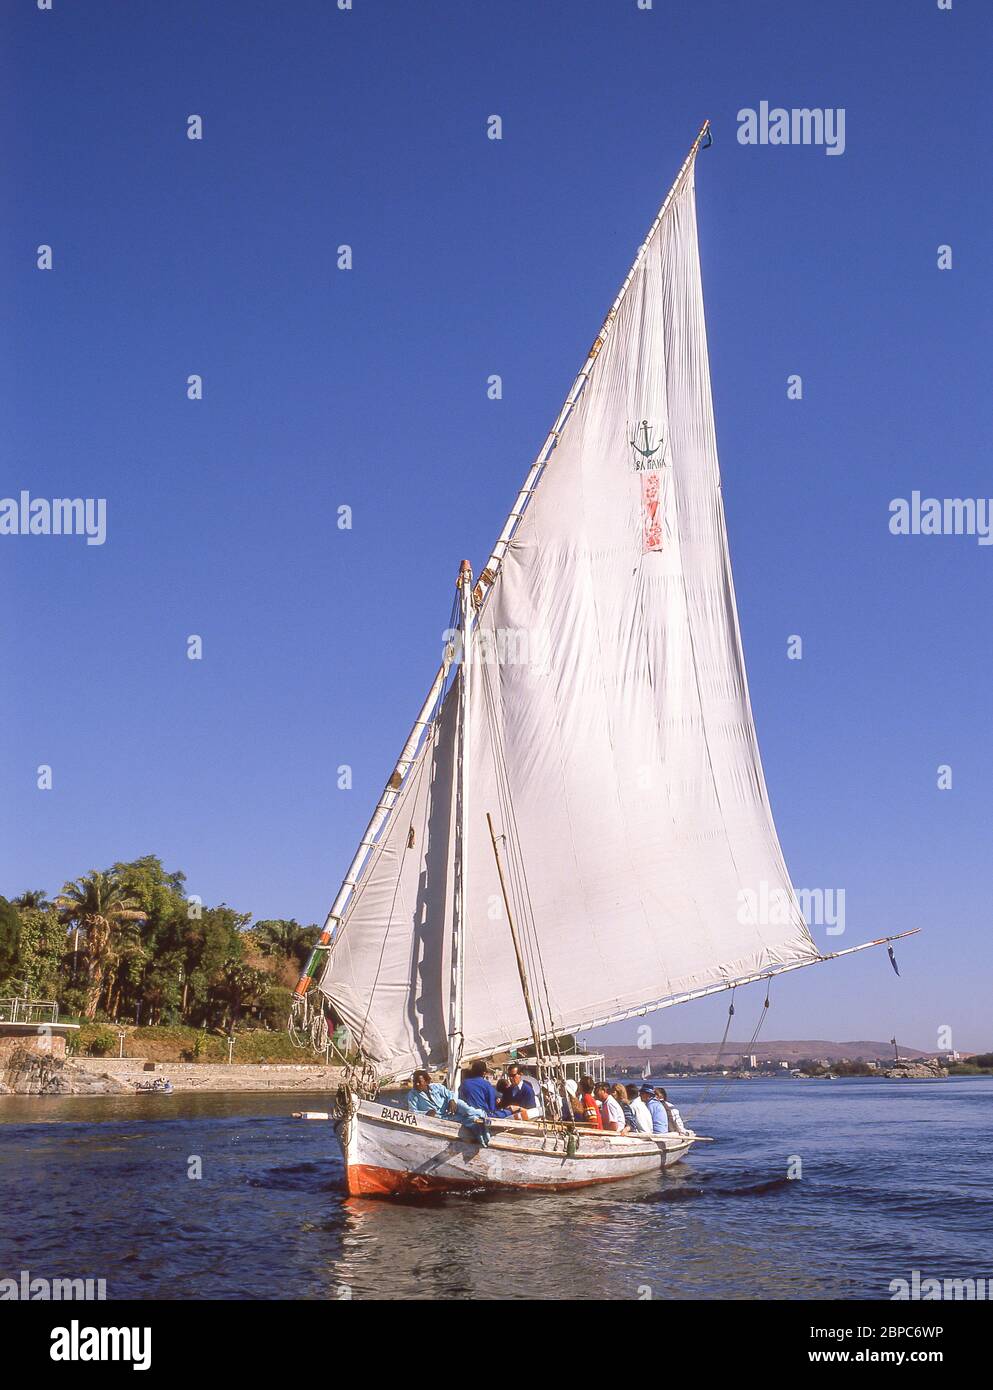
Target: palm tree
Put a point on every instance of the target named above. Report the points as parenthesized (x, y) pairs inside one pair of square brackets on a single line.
[(280, 937), (34, 897), (96, 905)]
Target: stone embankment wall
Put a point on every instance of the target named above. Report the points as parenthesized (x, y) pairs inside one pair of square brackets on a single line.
[(218, 1076), (26, 1072)]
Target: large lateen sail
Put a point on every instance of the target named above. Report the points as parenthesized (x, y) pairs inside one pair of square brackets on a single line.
[(612, 736)]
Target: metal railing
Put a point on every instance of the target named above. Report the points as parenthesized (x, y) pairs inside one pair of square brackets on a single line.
[(29, 1011)]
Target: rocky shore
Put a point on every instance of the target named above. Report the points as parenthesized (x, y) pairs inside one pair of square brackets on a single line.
[(919, 1070), (29, 1073)]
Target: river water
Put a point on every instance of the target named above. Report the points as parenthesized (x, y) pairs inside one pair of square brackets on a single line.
[(894, 1176)]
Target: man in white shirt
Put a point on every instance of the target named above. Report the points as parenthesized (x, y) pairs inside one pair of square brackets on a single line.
[(640, 1111), (610, 1109)]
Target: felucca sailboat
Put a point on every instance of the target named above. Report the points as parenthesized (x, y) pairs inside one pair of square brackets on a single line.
[(577, 829)]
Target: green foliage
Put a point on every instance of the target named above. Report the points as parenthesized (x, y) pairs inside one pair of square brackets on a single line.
[(33, 898), (96, 1040), (981, 1065), (43, 950), (182, 1044), (275, 1006), (285, 938), (128, 945), (97, 906), (10, 940)]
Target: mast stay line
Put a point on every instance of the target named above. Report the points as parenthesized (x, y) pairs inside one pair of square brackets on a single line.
[(487, 579)]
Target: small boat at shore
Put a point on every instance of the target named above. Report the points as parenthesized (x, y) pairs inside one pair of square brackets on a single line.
[(154, 1088), (577, 830)]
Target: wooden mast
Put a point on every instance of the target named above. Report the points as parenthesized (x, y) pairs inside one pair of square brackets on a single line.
[(459, 916)]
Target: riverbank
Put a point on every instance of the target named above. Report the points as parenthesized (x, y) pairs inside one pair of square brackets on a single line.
[(217, 1076), (29, 1074)]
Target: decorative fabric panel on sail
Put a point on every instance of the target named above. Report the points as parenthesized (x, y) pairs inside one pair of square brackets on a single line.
[(616, 686)]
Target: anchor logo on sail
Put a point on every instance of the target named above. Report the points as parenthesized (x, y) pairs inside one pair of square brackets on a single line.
[(647, 458)]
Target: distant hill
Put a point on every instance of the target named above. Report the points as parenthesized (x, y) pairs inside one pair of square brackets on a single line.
[(704, 1054)]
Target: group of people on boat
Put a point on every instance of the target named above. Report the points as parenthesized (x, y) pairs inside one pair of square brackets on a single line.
[(595, 1105)]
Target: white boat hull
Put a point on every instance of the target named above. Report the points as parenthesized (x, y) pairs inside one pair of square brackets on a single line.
[(389, 1151)]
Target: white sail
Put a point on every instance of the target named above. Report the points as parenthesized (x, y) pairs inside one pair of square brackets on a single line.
[(387, 976), (613, 737)]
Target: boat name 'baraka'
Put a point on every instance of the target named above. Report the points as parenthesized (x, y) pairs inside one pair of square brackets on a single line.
[(406, 1117)]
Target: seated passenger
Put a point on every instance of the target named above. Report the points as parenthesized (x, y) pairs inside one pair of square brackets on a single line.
[(623, 1100), (660, 1120), (589, 1111), (676, 1125), (642, 1119), (478, 1090), (565, 1099), (432, 1098), (611, 1114), (519, 1097)]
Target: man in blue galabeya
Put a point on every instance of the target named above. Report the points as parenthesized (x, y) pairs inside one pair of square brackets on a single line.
[(478, 1091), (429, 1097)]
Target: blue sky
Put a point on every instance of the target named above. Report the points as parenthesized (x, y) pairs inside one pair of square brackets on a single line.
[(368, 388)]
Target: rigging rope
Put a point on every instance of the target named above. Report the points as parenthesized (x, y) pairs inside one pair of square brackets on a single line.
[(546, 1041), (703, 1103)]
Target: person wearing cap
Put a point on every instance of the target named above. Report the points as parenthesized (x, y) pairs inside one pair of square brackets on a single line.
[(656, 1110)]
